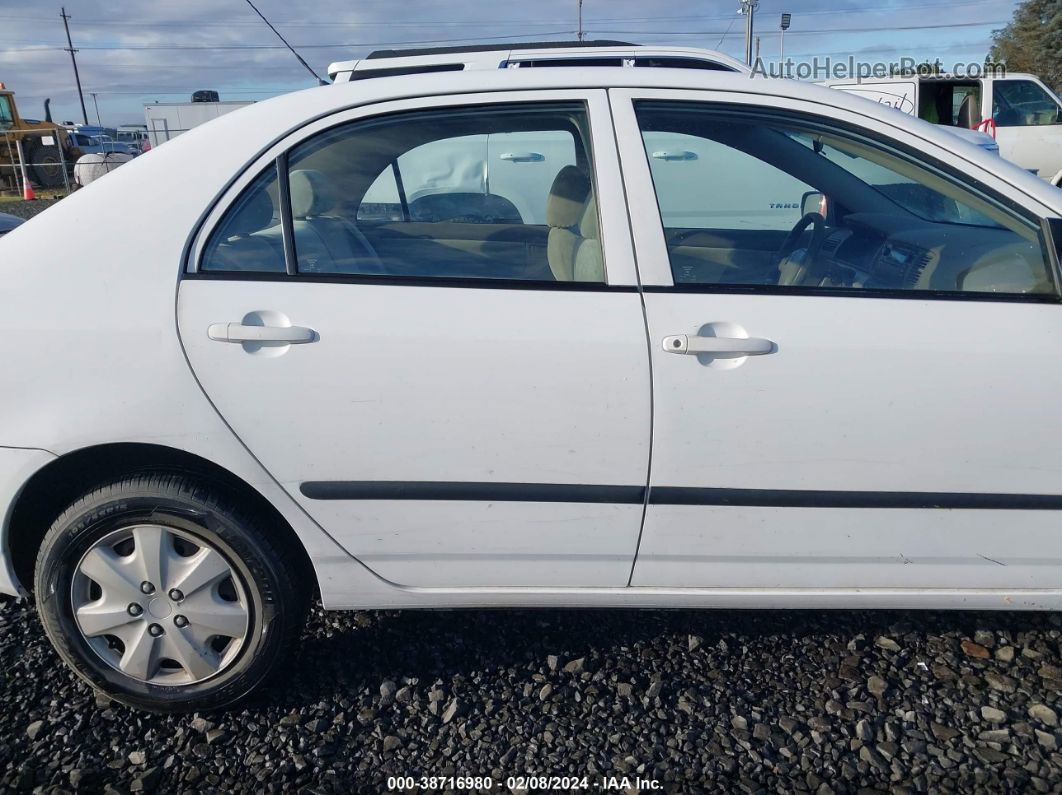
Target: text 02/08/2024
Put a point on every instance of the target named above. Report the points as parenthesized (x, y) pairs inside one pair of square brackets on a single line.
[(522, 783)]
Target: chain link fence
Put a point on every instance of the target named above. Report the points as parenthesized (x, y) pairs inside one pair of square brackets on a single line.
[(34, 158)]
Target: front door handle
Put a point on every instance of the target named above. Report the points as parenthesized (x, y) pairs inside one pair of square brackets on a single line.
[(740, 346), (237, 332)]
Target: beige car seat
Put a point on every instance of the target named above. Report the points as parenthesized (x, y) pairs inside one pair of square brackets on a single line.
[(325, 243), (573, 248)]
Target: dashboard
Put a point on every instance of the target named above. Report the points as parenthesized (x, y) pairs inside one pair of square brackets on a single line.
[(889, 252)]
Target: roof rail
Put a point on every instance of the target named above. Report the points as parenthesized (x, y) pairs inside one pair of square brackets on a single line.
[(387, 63), (523, 45)]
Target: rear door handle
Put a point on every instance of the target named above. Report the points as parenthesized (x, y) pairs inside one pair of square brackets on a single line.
[(237, 332), (743, 346)]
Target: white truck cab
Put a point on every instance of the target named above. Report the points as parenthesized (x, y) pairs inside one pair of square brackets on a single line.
[(1023, 114)]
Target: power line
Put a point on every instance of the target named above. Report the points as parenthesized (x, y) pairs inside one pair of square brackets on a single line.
[(719, 43), (299, 57), (349, 45)]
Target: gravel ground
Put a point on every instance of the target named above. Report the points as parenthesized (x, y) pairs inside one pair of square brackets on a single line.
[(26, 209), (699, 701)]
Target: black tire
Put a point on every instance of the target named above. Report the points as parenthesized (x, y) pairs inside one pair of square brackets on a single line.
[(47, 170), (254, 551)]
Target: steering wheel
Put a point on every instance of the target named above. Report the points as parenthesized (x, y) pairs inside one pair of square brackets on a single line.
[(796, 270)]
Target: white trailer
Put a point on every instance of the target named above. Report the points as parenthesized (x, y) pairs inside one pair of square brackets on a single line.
[(166, 120)]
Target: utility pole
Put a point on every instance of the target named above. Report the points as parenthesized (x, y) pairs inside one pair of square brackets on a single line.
[(94, 102), (70, 49), (748, 8), (580, 20), (757, 48)]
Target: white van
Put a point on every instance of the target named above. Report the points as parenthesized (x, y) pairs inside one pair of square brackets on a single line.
[(1024, 114)]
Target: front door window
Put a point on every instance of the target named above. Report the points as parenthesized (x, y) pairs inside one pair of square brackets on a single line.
[(751, 199)]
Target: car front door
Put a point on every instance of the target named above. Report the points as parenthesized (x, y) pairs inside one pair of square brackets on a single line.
[(448, 373), (875, 407)]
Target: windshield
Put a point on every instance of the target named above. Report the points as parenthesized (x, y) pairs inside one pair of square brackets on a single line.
[(7, 120), (907, 192)]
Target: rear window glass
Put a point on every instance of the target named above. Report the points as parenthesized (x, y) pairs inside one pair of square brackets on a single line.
[(249, 237)]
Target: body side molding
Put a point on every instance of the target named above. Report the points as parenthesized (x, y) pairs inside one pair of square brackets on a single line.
[(672, 495)]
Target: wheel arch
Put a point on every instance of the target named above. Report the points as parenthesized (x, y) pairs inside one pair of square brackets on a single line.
[(59, 482)]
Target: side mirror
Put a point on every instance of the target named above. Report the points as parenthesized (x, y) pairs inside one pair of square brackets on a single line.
[(814, 202)]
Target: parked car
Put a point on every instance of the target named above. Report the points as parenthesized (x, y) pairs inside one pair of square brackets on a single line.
[(101, 144), (8, 222), (135, 136), (756, 344), (1024, 115)]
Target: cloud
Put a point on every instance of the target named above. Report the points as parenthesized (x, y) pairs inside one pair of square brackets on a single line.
[(132, 53)]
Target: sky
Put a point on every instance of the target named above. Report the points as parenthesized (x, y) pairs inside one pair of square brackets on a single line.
[(141, 51)]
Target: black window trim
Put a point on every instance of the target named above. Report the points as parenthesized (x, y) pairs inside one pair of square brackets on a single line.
[(385, 280), (292, 274), (287, 224), (833, 126)]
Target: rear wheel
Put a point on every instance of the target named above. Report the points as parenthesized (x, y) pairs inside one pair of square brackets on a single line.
[(165, 595), (47, 168)]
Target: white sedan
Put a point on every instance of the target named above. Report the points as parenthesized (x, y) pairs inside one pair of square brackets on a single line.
[(545, 336)]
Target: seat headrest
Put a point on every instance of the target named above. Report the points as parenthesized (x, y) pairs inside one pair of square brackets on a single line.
[(564, 208), (255, 214), (588, 225), (312, 193)]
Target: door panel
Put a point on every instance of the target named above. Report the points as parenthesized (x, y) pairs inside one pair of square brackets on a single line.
[(447, 427), (424, 385), (886, 397), (851, 548), (879, 438)]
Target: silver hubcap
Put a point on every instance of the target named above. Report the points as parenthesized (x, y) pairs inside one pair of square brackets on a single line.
[(160, 605)]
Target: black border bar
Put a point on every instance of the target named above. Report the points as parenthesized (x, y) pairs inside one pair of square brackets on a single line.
[(470, 492), (671, 495)]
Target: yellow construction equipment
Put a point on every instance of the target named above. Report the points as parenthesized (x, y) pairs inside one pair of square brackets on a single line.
[(41, 150)]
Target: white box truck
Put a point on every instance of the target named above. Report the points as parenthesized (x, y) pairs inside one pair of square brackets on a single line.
[(166, 120), (1023, 114)]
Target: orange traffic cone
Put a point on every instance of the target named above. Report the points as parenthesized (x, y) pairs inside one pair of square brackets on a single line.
[(27, 192)]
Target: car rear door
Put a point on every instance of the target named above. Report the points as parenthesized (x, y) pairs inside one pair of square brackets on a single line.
[(432, 394), (833, 435)]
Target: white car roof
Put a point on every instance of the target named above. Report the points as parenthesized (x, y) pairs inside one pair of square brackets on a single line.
[(466, 59)]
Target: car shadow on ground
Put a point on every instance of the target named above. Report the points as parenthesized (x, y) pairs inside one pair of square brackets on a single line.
[(344, 654)]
